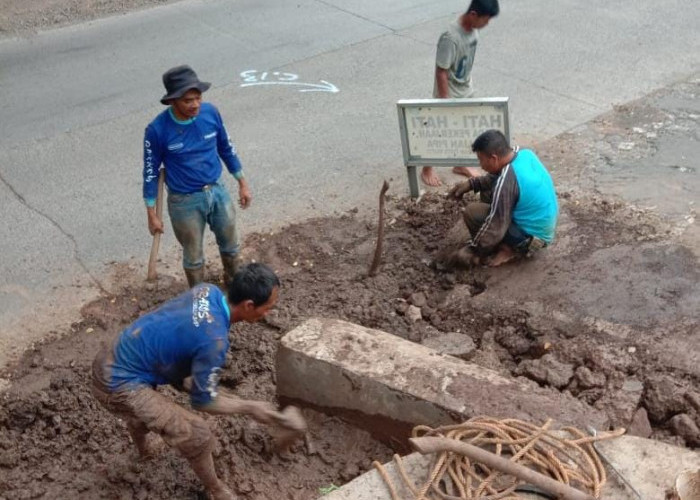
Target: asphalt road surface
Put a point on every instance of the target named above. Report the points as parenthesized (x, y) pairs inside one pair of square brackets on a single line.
[(308, 90)]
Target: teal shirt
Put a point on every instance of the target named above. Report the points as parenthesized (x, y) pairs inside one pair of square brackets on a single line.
[(536, 210)]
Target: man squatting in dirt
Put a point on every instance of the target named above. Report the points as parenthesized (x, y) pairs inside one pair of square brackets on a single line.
[(517, 211), (184, 343), (190, 140), (454, 59)]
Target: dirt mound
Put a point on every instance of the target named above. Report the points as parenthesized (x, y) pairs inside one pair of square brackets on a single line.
[(55, 441)]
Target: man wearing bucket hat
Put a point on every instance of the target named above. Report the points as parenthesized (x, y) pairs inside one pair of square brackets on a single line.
[(190, 140)]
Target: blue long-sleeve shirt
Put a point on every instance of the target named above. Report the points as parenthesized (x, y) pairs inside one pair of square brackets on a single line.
[(187, 335), (190, 150)]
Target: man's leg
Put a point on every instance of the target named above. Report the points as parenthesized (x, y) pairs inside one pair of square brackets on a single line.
[(503, 254), (514, 246), (222, 220), (188, 216), (147, 411), (474, 216), (149, 445), (429, 177), (203, 467), (184, 431)]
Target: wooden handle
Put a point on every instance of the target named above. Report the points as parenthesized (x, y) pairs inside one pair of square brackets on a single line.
[(380, 232), (156, 237), (427, 445)]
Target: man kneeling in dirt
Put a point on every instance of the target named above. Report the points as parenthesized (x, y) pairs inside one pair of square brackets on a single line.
[(517, 211), (184, 343)]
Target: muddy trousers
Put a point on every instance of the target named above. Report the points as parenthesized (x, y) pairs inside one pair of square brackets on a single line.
[(190, 214), (146, 410), (474, 217)]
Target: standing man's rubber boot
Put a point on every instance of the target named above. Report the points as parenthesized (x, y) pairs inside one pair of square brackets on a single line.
[(194, 276), (231, 263)]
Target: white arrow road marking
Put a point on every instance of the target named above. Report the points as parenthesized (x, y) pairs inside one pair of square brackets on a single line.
[(326, 87)]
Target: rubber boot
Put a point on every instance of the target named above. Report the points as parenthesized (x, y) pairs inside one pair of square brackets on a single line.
[(231, 263), (203, 467), (194, 276)]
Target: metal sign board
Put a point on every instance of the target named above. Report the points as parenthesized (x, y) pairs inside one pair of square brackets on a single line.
[(440, 132)]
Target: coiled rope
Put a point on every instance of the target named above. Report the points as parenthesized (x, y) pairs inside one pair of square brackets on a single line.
[(570, 460)]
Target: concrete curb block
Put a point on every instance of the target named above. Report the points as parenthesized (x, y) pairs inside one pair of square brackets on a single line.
[(344, 367)]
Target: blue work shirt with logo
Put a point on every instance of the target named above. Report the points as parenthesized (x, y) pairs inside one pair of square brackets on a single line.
[(188, 335), (191, 151)]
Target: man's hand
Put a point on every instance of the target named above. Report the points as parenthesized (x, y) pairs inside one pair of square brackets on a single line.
[(155, 223), (244, 195), (465, 257), (262, 411), (285, 427), (459, 190), (289, 426)]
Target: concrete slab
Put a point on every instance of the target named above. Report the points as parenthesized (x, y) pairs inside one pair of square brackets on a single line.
[(388, 385), (649, 466), (371, 485)]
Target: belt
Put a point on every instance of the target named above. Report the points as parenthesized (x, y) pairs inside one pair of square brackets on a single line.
[(206, 187)]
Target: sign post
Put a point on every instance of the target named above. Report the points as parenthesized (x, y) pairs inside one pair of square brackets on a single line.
[(440, 132)]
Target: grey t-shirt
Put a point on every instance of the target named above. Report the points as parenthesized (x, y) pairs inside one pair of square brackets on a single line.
[(455, 53)]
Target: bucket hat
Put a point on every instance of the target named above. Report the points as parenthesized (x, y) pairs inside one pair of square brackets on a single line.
[(179, 80)]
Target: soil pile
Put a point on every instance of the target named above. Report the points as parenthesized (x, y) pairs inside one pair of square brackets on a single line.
[(56, 442)]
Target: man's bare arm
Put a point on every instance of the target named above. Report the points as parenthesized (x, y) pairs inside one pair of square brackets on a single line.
[(226, 403), (441, 77)]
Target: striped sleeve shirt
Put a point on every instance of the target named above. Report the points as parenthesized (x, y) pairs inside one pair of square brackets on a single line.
[(504, 196)]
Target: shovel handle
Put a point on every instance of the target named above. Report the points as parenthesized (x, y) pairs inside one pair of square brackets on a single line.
[(153, 258)]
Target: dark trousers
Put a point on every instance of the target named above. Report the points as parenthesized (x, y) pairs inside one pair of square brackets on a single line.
[(474, 216)]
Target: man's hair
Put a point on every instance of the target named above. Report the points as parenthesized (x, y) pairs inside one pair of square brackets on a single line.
[(491, 142), (484, 7), (254, 282)]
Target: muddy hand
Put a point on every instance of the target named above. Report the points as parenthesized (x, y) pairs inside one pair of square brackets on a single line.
[(155, 223), (459, 190), (287, 426), (244, 195), (464, 257)]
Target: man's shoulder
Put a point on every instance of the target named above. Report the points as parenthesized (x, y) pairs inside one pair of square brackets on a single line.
[(160, 121), (523, 155), (457, 34), (207, 290), (209, 308), (208, 107), (528, 161)]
